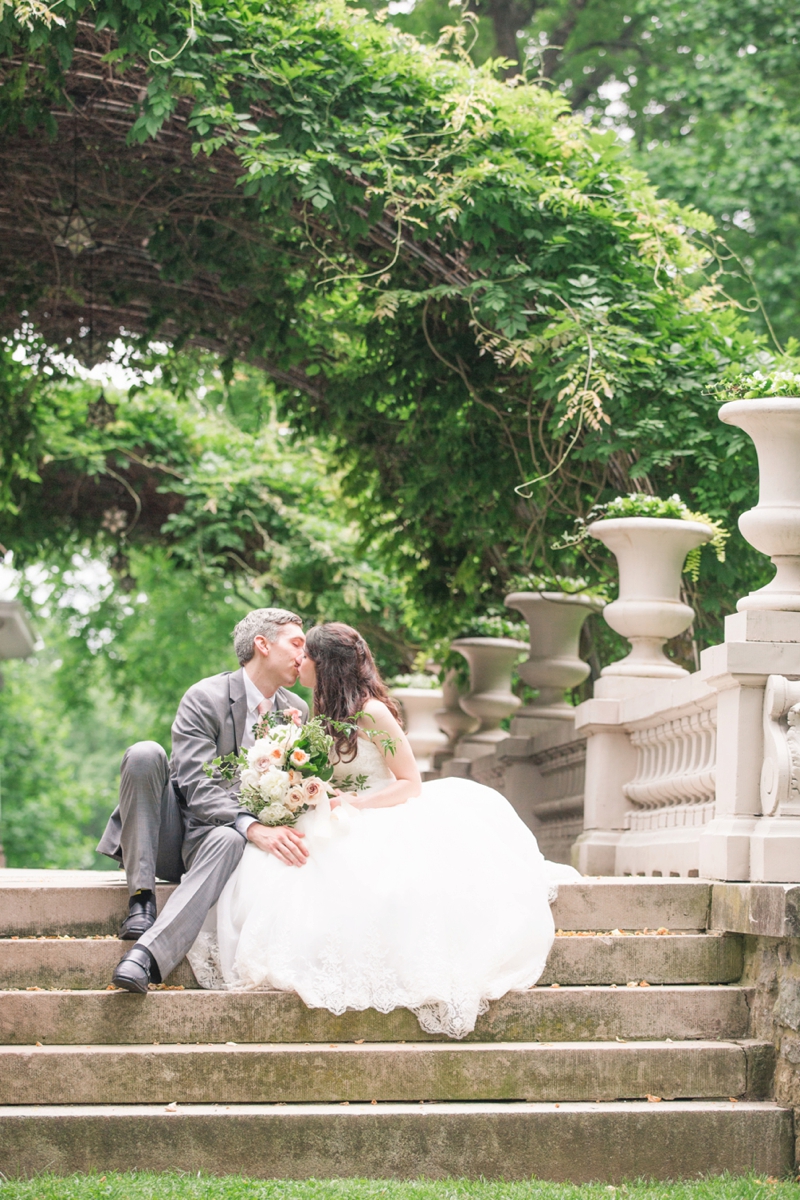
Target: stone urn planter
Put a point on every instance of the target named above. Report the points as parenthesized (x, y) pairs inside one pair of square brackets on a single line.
[(451, 718), (773, 526), (420, 706), (555, 620), (650, 553), (490, 699)]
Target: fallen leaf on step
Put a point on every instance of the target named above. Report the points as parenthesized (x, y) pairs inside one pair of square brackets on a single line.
[(359, 1041), (654, 1099), (623, 1040), (733, 1100), (662, 931), (632, 983), (373, 1101), (616, 933), (344, 1101), (643, 983), (171, 1107), (555, 985), (38, 1043)]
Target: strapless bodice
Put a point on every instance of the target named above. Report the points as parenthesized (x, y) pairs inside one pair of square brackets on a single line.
[(368, 762)]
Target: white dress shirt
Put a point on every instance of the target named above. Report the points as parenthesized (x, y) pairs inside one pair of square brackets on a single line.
[(254, 698)]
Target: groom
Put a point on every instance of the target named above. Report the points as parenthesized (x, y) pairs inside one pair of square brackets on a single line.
[(174, 823)]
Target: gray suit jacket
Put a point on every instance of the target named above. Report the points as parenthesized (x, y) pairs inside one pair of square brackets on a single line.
[(211, 721)]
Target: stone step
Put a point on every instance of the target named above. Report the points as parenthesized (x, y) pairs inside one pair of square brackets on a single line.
[(574, 960), (384, 1072), (82, 903), (543, 1014), (577, 1142)]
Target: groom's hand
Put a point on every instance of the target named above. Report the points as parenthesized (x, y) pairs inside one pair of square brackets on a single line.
[(282, 841)]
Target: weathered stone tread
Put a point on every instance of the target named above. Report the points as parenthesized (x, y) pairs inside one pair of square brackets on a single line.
[(91, 902), (543, 1014), (570, 1142), (374, 1071), (87, 963)]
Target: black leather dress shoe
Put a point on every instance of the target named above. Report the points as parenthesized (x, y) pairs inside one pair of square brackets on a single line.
[(136, 970), (141, 915)]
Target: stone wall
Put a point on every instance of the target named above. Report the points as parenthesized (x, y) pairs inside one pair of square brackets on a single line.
[(772, 968), (769, 917)]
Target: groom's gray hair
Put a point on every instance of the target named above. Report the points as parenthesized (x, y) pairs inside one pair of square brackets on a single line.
[(264, 621)]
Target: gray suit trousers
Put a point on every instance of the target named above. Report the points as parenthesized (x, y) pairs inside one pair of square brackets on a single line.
[(149, 818), (153, 844)]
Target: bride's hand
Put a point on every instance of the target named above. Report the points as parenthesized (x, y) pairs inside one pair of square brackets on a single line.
[(281, 840)]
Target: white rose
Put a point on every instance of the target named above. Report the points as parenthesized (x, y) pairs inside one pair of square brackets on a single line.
[(250, 778), (273, 785), (275, 814)]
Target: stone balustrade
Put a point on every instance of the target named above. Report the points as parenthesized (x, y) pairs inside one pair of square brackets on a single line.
[(700, 774), (663, 772), (675, 764)]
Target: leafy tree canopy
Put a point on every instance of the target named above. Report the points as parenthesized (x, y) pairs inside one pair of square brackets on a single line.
[(707, 93), (454, 281)]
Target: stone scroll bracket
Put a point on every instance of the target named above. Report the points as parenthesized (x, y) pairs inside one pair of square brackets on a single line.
[(780, 773)]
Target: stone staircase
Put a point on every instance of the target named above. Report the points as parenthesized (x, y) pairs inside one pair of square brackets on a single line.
[(633, 1057)]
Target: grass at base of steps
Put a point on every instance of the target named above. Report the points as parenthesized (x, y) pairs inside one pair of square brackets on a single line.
[(146, 1186)]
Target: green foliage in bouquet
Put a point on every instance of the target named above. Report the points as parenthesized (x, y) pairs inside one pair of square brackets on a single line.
[(287, 770)]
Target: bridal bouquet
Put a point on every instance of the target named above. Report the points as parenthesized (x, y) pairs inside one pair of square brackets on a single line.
[(286, 771)]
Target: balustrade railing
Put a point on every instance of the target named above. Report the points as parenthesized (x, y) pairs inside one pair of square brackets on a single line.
[(675, 762)]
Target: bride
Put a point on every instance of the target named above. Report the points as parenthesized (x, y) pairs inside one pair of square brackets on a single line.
[(428, 896)]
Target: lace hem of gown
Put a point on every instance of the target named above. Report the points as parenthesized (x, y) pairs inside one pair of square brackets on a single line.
[(204, 959), (455, 1020)]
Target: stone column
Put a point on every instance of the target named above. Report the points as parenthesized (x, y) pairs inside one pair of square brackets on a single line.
[(757, 644), (755, 834)]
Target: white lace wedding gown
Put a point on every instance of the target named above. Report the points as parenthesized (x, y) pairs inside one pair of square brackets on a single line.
[(438, 905)]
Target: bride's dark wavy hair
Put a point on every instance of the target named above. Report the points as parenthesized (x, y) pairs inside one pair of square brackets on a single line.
[(346, 678)]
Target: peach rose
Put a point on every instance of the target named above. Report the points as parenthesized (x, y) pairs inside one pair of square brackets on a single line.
[(295, 798), (299, 758), (313, 790)]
